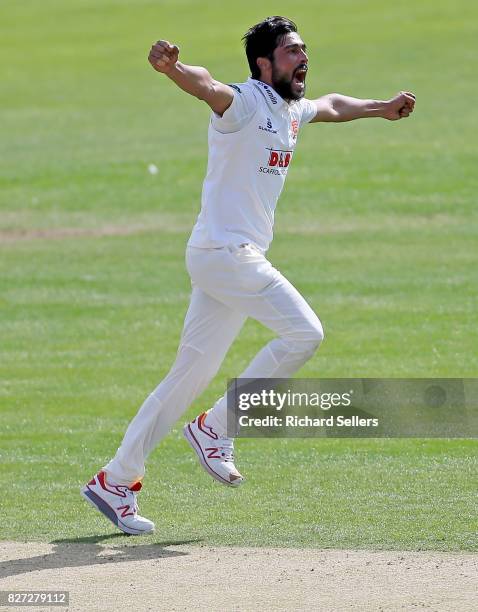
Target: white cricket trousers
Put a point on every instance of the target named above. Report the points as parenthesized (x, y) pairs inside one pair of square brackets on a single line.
[(228, 285)]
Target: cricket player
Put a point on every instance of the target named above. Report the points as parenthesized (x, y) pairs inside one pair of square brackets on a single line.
[(253, 130)]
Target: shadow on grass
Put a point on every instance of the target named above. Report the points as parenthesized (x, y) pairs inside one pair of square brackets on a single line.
[(79, 552)]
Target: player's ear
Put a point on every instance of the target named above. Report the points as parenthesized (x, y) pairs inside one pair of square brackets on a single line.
[(263, 64)]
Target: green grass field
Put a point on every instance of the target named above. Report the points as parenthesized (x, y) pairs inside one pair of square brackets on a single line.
[(377, 228)]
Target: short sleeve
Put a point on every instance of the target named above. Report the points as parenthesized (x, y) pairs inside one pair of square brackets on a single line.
[(308, 110), (243, 107)]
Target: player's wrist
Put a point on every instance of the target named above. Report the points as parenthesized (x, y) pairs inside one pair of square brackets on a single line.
[(378, 108), (172, 70), (384, 108)]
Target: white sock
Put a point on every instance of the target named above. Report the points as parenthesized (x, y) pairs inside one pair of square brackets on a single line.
[(216, 423)]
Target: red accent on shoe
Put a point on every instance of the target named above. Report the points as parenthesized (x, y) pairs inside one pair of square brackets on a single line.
[(116, 490), (202, 426), (92, 481), (101, 476), (125, 510), (197, 447), (136, 487), (213, 453)]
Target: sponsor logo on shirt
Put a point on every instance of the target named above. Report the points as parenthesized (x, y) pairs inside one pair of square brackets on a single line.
[(277, 163), (294, 126), (268, 91), (269, 127)]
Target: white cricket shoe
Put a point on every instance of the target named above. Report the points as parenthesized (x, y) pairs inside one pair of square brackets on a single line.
[(117, 503), (215, 453)]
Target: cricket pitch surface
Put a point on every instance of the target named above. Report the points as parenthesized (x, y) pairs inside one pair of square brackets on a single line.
[(177, 576)]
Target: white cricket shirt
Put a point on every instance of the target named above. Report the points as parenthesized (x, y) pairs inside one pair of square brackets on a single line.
[(250, 151)]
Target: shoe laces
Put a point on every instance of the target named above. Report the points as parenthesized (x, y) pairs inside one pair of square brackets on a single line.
[(131, 499), (134, 505), (226, 447)]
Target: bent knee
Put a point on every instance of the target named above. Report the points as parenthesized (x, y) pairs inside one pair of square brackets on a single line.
[(311, 345), (317, 335), (309, 340)]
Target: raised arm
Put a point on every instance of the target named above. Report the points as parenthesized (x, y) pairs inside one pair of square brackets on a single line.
[(194, 80), (336, 107)]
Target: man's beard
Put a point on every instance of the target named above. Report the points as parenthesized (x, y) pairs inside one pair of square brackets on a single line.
[(283, 86)]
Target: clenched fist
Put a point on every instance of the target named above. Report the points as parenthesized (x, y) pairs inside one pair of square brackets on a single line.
[(163, 56), (400, 106)]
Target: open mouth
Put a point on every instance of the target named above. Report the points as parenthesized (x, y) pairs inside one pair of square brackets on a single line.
[(300, 74)]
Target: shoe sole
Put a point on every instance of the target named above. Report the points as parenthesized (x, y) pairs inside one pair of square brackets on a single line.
[(194, 444), (99, 504)]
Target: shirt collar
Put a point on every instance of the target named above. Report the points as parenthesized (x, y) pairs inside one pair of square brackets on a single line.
[(274, 101)]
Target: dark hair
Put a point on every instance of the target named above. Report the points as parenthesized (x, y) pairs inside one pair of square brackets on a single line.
[(263, 38)]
